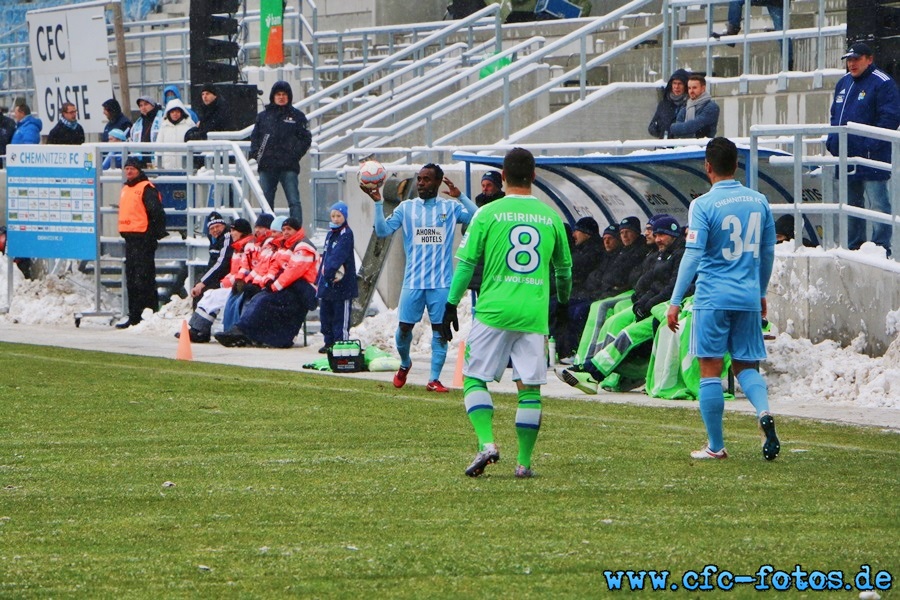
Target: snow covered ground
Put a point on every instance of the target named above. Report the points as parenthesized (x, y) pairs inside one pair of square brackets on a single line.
[(798, 371)]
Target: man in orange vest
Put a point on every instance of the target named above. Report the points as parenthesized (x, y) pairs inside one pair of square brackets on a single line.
[(142, 221)]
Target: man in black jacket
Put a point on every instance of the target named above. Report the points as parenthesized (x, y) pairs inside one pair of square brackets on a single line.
[(280, 138), (220, 251), (7, 129), (491, 189), (213, 112), (68, 130), (142, 221)]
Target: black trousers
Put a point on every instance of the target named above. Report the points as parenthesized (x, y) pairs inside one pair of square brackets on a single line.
[(140, 275)]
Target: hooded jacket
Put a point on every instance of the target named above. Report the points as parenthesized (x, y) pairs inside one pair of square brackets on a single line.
[(173, 89), (173, 133), (667, 108), (237, 260), (281, 136), (28, 131), (117, 120), (296, 259), (870, 99)]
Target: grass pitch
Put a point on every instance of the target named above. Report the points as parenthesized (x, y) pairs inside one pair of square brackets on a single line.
[(296, 484)]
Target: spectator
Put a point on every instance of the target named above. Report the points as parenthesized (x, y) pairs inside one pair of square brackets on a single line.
[(68, 130), (866, 95), (634, 326), (175, 125), (219, 264), (214, 299), (142, 221), (28, 126), (280, 138), (170, 92), (213, 112), (428, 223), (113, 160), (776, 11), (273, 317), (146, 127), (784, 231), (112, 110), (674, 97), (699, 117), (7, 129), (336, 285), (491, 189)]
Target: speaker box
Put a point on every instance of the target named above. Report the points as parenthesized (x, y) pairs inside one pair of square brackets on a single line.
[(241, 101)]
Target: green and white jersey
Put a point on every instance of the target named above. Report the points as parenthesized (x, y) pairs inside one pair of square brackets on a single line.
[(519, 237)]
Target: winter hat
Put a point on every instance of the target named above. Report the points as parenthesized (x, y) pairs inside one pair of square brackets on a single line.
[(208, 87), (242, 225), (612, 230), (494, 177), (265, 220), (667, 225), (135, 162), (118, 134), (680, 75), (277, 222), (215, 219), (342, 208), (292, 223), (653, 218), (113, 106), (587, 225), (632, 223), (785, 226), (147, 99), (281, 86), (856, 50)]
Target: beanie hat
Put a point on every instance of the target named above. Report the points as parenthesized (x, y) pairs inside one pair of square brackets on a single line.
[(587, 225), (277, 222), (494, 177), (632, 223), (242, 225), (208, 87), (653, 218), (117, 134), (667, 225), (612, 230), (265, 220), (147, 99), (215, 219), (785, 226), (135, 162), (342, 208), (292, 223)]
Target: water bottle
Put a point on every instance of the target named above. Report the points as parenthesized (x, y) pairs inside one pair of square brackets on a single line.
[(551, 351)]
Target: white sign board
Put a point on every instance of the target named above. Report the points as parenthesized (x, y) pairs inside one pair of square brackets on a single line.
[(70, 61)]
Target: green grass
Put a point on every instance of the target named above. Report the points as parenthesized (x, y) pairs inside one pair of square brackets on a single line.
[(295, 484)]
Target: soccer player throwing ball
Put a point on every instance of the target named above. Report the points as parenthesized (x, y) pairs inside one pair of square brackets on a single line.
[(428, 223), (519, 237), (731, 250)]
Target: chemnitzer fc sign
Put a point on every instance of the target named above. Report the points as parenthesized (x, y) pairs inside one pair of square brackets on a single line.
[(70, 60)]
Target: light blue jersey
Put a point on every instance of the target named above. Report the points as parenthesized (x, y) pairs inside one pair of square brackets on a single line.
[(428, 228), (732, 233)]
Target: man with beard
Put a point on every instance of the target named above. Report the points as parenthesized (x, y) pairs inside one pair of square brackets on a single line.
[(699, 117), (491, 189)]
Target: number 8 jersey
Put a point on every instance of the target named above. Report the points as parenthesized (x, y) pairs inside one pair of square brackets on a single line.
[(519, 237), (730, 224)]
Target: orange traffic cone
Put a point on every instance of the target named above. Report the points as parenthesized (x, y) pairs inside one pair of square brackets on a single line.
[(460, 361), (184, 343)]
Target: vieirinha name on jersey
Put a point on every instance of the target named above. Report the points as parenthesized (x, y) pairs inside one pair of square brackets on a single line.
[(521, 217), (736, 199)]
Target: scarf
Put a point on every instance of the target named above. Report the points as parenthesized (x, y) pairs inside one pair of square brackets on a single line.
[(677, 99), (70, 124), (691, 108)]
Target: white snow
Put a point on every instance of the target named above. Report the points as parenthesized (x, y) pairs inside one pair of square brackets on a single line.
[(797, 370)]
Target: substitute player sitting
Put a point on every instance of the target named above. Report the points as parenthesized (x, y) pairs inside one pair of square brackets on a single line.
[(731, 249), (428, 223), (520, 239)]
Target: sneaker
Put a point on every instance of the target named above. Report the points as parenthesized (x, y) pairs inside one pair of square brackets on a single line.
[(435, 386), (400, 376), (523, 472), (233, 338), (568, 361), (582, 381), (486, 457), (198, 337), (705, 452), (771, 446), (127, 322)]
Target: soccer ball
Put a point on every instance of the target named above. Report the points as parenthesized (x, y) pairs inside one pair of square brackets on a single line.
[(371, 174)]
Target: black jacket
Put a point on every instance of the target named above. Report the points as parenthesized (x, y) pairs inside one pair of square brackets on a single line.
[(616, 278), (478, 272), (61, 134), (281, 136), (214, 116), (219, 264), (7, 129), (156, 215), (586, 257), (657, 283), (667, 109), (117, 120)]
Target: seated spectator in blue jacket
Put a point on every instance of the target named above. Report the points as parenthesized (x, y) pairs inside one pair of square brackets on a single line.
[(699, 117), (28, 126), (674, 97)]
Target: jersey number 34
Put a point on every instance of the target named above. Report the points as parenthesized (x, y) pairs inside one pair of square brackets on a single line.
[(742, 241)]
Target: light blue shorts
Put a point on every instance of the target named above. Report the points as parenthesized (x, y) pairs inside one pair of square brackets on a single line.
[(414, 302), (739, 332)]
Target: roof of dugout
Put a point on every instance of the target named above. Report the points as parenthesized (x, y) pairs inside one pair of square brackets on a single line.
[(644, 183)]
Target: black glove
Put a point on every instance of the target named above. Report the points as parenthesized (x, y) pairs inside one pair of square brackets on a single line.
[(562, 316), (641, 311), (450, 322), (239, 286)]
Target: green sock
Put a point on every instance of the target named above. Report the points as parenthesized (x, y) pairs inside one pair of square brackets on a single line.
[(528, 422), (480, 408)]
